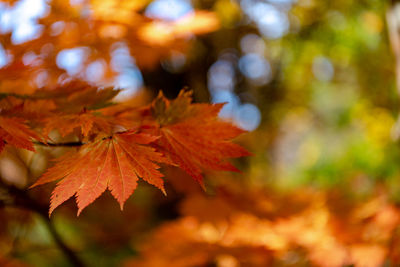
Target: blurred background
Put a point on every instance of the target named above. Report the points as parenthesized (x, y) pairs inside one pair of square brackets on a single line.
[(313, 83)]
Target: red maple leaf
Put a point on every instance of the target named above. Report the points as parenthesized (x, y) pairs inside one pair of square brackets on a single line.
[(114, 162), (86, 121), (193, 136), (31, 109), (13, 131)]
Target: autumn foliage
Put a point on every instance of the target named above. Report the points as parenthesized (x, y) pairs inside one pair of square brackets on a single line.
[(118, 145), (253, 230), (196, 133)]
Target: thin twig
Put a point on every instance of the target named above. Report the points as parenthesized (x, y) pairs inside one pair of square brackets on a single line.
[(66, 144)]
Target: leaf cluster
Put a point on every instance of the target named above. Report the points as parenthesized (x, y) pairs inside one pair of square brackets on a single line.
[(118, 144)]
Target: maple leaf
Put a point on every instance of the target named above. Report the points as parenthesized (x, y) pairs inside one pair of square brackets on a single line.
[(13, 131), (87, 121), (26, 108), (194, 137), (12, 71), (81, 94), (93, 98), (114, 162)]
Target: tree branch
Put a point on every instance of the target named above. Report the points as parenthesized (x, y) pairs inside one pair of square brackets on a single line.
[(21, 199), (66, 144)]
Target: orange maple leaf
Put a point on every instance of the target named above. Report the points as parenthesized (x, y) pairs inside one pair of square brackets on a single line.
[(87, 121), (193, 136), (29, 109), (114, 162), (80, 94), (13, 131)]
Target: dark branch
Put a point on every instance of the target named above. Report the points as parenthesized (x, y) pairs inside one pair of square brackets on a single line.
[(66, 144), (21, 199)]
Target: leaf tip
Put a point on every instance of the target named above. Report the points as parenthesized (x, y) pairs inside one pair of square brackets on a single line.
[(160, 94), (79, 212), (50, 211), (163, 191), (247, 153), (33, 185), (201, 183)]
